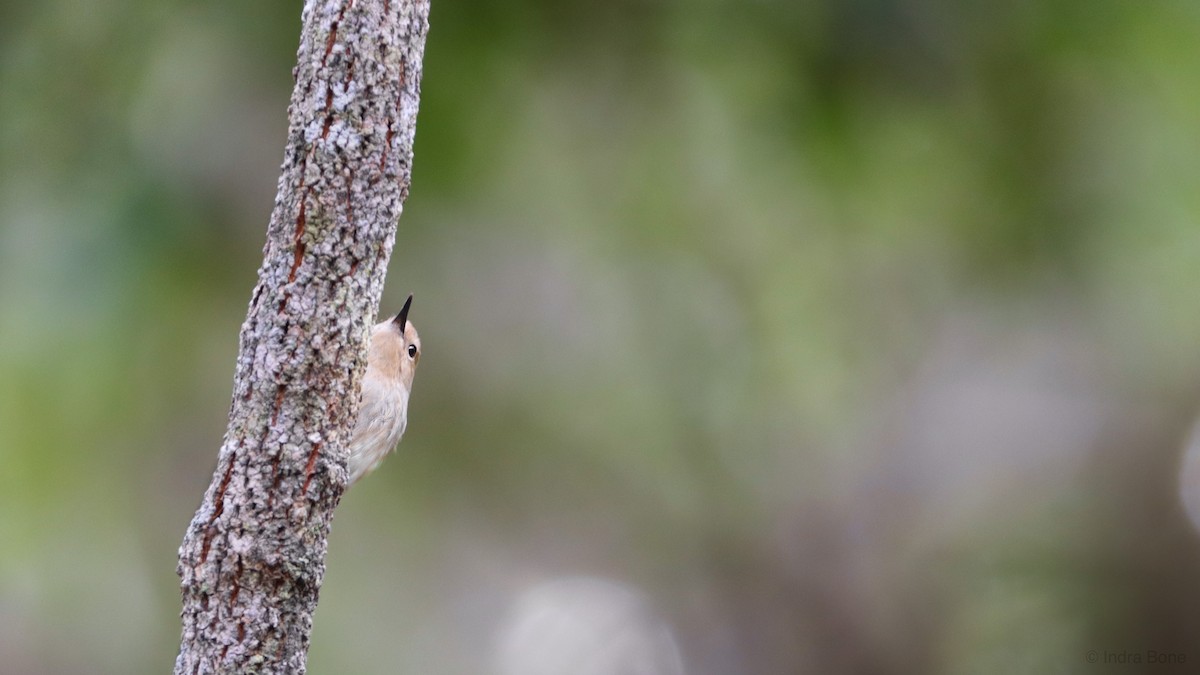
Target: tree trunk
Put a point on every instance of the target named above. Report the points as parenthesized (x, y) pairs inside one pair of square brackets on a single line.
[(253, 557)]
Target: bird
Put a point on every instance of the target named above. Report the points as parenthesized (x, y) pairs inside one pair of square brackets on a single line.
[(383, 413)]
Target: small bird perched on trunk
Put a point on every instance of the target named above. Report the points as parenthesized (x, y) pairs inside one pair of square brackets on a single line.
[(383, 413)]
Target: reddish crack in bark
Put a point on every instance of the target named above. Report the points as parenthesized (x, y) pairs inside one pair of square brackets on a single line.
[(218, 508), (279, 391), (236, 582), (329, 43), (333, 29), (350, 196), (328, 112), (308, 470), (298, 238), (387, 144), (298, 233)]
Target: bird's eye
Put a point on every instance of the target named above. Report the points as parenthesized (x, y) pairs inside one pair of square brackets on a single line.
[(412, 351)]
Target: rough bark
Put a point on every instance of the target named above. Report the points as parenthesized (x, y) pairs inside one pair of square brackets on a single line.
[(253, 557)]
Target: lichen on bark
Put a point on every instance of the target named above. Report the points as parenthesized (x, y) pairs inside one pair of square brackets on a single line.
[(253, 557)]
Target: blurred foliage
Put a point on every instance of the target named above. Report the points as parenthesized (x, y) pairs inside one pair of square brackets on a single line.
[(846, 337)]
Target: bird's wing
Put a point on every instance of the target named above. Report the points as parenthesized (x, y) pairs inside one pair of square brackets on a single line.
[(369, 442)]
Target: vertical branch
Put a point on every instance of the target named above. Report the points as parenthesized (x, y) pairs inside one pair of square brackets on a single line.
[(253, 557)]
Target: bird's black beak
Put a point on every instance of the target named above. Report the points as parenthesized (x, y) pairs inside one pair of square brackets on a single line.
[(402, 318)]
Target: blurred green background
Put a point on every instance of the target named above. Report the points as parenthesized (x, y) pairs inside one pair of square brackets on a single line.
[(761, 337)]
